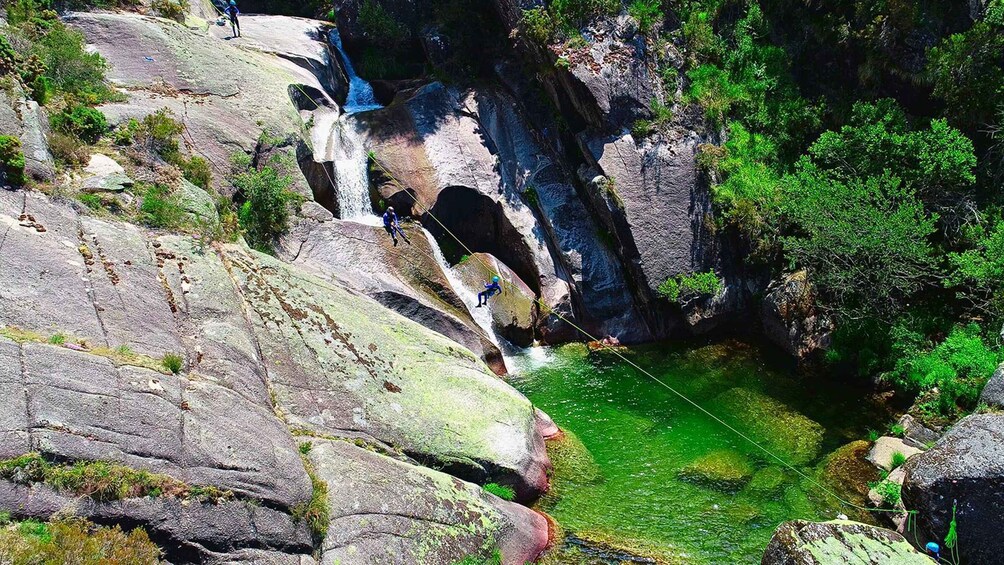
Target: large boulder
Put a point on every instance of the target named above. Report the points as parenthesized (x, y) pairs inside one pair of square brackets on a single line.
[(408, 278), (395, 513), (791, 319), (962, 476), (839, 542), (24, 119)]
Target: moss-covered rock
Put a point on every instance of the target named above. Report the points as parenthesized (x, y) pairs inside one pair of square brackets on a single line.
[(839, 542), (723, 470), (767, 480), (847, 472), (574, 467), (785, 432)]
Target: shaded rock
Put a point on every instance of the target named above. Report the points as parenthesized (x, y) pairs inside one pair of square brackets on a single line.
[(790, 318), (773, 423), (703, 314), (885, 449), (848, 472), (392, 512), (343, 365), (514, 311), (115, 182), (916, 434), (965, 466), (723, 470), (839, 542), (993, 392), (407, 278)]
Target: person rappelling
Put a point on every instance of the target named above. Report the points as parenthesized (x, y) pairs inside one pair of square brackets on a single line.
[(232, 11), (392, 226), (491, 289)]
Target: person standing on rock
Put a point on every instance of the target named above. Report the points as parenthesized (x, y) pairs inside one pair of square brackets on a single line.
[(392, 226), (233, 12), (491, 289)]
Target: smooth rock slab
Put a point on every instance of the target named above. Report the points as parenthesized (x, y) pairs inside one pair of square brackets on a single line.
[(839, 543), (885, 447), (993, 393), (389, 512)]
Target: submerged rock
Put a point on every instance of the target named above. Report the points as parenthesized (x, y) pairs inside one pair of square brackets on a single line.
[(839, 543), (781, 429), (965, 471), (722, 470)]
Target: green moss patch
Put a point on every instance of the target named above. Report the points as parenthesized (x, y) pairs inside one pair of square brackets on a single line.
[(722, 470), (315, 511), (785, 432), (767, 481)]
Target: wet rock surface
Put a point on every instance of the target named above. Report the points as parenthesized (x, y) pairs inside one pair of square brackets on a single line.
[(829, 543)]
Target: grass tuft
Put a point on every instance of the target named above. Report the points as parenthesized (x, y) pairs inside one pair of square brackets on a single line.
[(501, 491), (172, 362)]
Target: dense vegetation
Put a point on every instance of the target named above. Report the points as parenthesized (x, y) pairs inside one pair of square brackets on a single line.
[(862, 144), (73, 540)]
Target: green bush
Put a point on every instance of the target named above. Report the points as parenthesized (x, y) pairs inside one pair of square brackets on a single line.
[(197, 171), (494, 559), (377, 23), (978, 273), (12, 159), (173, 362), (68, 150), (958, 367), (57, 339), (501, 491), (682, 286), (161, 208), (171, 9), (264, 215), (74, 540), (647, 13), (86, 124), (159, 132)]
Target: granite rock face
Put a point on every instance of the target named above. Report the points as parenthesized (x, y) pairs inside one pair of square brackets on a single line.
[(267, 350), (839, 542)]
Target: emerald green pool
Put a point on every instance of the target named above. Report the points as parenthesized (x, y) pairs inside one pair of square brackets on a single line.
[(656, 477)]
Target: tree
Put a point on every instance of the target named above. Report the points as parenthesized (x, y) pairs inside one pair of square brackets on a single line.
[(978, 273), (864, 240)]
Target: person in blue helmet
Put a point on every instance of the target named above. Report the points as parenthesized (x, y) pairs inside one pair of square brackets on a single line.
[(233, 12), (392, 226), (491, 289)]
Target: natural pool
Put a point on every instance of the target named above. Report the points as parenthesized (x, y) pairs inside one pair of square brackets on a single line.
[(642, 470)]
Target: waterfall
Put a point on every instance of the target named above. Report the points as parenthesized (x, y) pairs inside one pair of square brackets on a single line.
[(360, 97), (348, 160)]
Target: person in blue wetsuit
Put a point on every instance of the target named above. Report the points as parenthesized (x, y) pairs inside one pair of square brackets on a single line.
[(392, 226), (491, 289), (233, 12)]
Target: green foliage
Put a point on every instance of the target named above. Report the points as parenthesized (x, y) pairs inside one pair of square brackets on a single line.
[(61, 51), (978, 273), (967, 71), (74, 540), (501, 491), (264, 214), (530, 192), (57, 339), (86, 124), (537, 25), (161, 208), (897, 430), (890, 492), (158, 132), (196, 170), (681, 287), (12, 159), (873, 435), (68, 151), (647, 13), (101, 480), (494, 559), (305, 447), (898, 459), (377, 23), (315, 511), (171, 9), (565, 18), (173, 362), (958, 368), (865, 241)]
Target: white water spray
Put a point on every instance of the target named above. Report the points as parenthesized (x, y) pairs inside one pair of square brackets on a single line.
[(360, 97)]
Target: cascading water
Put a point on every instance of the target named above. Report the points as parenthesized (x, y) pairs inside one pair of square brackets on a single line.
[(360, 97)]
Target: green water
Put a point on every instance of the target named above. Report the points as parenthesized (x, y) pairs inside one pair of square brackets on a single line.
[(628, 492)]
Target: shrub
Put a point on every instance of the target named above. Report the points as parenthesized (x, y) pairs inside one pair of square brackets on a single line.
[(647, 13), (682, 286), (501, 491), (173, 362), (92, 201), (74, 540), (197, 171), (171, 9), (264, 215), (57, 339), (890, 492), (161, 208), (379, 24), (537, 25), (898, 459), (69, 67), (158, 132), (68, 150), (11, 159), (641, 129), (494, 559), (86, 124), (305, 447), (897, 430)]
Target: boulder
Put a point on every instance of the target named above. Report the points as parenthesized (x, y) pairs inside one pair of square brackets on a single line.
[(514, 311), (790, 318), (197, 203), (340, 364), (723, 470), (965, 471), (396, 513), (407, 278), (839, 542), (916, 434), (26, 120), (993, 393), (885, 449)]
